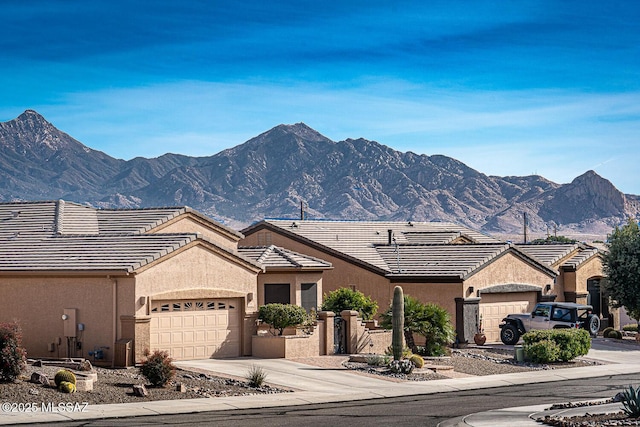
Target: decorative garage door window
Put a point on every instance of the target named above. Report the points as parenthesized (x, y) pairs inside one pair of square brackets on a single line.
[(168, 307)]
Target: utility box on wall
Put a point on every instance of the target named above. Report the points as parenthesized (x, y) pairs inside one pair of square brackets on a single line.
[(69, 322)]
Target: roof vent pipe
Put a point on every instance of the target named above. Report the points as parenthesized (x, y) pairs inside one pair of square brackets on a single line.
[(390, 234)]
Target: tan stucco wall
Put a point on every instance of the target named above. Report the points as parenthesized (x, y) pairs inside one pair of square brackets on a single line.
[(588, 270), (342, 275), (204, 272), (442, 294), (508, 269), (295, 279), (38, 303), (194, 273), (531, 297), (186, 223)]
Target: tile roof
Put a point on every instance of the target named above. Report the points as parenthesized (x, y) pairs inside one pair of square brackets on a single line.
[(67, 218), (367, 243), (66, 236), (125, 253), (567, 255), (275, 258), (452, 261)]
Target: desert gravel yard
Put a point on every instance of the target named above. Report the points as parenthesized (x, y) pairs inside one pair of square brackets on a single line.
[(115, 385)]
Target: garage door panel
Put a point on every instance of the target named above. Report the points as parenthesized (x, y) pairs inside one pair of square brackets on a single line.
[(493, 313), (197, 329)]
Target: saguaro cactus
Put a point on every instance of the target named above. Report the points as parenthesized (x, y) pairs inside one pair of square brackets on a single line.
[(397, 323)]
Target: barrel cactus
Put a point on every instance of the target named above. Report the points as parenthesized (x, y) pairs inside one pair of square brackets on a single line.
[(64, 375), (417, 360), (397, 322), (67, 387)]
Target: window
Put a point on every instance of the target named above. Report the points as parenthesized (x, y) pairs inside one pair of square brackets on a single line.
[(277, 293), (542, 310), (309, 296)]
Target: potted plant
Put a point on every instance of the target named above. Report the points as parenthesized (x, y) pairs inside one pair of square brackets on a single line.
[(480, 338)]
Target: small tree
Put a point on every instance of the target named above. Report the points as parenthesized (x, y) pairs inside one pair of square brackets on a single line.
[(621, 265), (281, 316), (349, 299), (13, 356)]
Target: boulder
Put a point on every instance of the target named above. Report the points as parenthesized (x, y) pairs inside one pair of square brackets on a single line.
[(140, 390), (39, 378)]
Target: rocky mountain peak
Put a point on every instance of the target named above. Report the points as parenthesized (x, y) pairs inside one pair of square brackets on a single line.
[(271, 173), (30, 132)]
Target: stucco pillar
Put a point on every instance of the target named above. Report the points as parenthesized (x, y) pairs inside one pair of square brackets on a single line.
[(328, 318), (250, 328), (351, 319), (137, 329), (467, 312)]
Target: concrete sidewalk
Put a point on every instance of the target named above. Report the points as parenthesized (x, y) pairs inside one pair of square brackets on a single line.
[(321, 385)]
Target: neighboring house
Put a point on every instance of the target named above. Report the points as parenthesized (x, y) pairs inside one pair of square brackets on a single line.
[(118, 282), (580, 273), (466, 272)]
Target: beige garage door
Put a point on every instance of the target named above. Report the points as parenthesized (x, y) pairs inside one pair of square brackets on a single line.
[(493, 313), (197, 329)]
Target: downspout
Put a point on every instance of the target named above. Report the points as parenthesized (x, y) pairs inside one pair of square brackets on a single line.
[(114, 291)]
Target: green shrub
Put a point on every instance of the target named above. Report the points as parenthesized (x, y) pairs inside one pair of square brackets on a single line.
[(256, 376), (616, 335), (13, 357), (607, 331), (417, 360), (281, 316), (349, 299), (158, 368), (377, 359), (570, 342), (631, 402), (630, 328), (544, 351)]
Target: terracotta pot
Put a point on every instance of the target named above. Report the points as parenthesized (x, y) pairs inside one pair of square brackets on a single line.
[(479, 339)]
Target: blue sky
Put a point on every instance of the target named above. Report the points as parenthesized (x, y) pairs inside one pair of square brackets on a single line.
[(507, 87)]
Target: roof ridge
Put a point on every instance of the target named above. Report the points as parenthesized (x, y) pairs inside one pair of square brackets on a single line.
[(285, 254), (264, 254)]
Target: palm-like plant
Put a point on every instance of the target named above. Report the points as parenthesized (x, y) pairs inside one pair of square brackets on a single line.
[(429, 320)]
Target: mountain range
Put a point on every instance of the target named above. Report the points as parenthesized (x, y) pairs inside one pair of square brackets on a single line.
[(271, 174)]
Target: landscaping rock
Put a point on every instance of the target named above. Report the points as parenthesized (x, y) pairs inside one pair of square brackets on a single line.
[(181, 388), (140, 390), (39, 378)]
